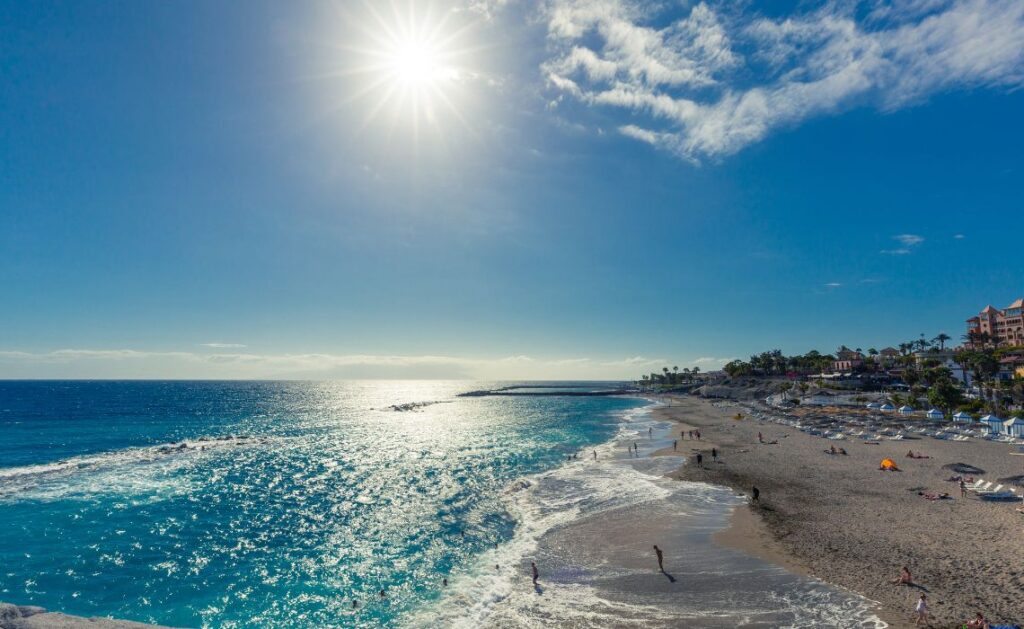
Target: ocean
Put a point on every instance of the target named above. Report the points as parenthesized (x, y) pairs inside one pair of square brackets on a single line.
[(278, 504)]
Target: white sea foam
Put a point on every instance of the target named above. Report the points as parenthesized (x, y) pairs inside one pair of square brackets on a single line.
[(543, 503), (128, 471)]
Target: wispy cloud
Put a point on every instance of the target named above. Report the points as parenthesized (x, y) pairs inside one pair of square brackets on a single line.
[(636, 361), (959, 236), (131, 363), (909, 240), (712, 361), (833, 285), (224, 345), (715, 80)]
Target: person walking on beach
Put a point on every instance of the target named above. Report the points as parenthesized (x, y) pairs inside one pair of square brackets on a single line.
[(595, 455), (675, 445), (700, 460), (757, 494), (760, 439), (963, 489), (650, 432), (661, 558), (921, 609), (536, 574), (714, 455)]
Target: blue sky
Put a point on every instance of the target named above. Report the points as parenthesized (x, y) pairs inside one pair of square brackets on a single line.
[(586, 189)]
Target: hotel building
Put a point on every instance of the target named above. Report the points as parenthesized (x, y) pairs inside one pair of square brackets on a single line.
[(1007, 325)]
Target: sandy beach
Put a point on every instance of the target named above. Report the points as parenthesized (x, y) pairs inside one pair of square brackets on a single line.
[(840, 519)]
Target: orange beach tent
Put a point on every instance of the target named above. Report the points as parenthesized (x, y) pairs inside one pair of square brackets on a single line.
[(888, 465)]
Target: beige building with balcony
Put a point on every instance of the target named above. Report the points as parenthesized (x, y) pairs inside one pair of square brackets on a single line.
[(1006, 325)]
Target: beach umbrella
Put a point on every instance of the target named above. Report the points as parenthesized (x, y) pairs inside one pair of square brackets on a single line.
[(963, 418), (936, 414)]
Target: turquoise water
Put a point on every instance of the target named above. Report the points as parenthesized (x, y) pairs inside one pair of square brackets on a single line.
[(255, 504)]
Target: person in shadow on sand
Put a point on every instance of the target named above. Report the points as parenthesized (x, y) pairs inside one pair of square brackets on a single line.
[(661, 558), (904, 578)]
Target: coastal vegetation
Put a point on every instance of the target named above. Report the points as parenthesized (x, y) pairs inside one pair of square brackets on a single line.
[(984, 375)]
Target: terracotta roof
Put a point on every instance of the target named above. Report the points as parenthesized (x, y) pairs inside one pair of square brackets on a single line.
[(988, 309), (1017, 304)]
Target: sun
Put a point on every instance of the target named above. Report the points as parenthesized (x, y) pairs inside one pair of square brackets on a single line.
[(412, 63), (416, 64)]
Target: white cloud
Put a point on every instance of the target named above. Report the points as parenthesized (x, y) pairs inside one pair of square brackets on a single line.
[(959, 236), (711, 82), (833, 285), (711, 360), (909, 240), (636, 361), (131, 363), (224, 345)]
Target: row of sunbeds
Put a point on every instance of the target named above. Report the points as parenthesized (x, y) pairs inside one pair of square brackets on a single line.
[(986, 491)]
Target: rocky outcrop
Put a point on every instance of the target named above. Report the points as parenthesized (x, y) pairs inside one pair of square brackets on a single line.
[(31, 617)]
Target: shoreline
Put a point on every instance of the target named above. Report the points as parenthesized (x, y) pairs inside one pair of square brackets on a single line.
[(841, 521), (597, 568)]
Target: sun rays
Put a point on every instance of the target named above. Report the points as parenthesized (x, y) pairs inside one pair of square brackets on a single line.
[(410, 67)]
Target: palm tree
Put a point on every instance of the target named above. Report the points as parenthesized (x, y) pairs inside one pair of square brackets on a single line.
[(941, 340)]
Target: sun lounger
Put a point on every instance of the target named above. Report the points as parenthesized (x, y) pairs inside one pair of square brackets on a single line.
[(1001, 496), (994, 490)]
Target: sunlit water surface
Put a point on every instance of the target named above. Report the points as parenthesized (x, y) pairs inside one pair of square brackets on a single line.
[(266, 504)]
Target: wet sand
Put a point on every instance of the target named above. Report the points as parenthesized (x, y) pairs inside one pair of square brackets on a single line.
[(842, 520), (598, 568)]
